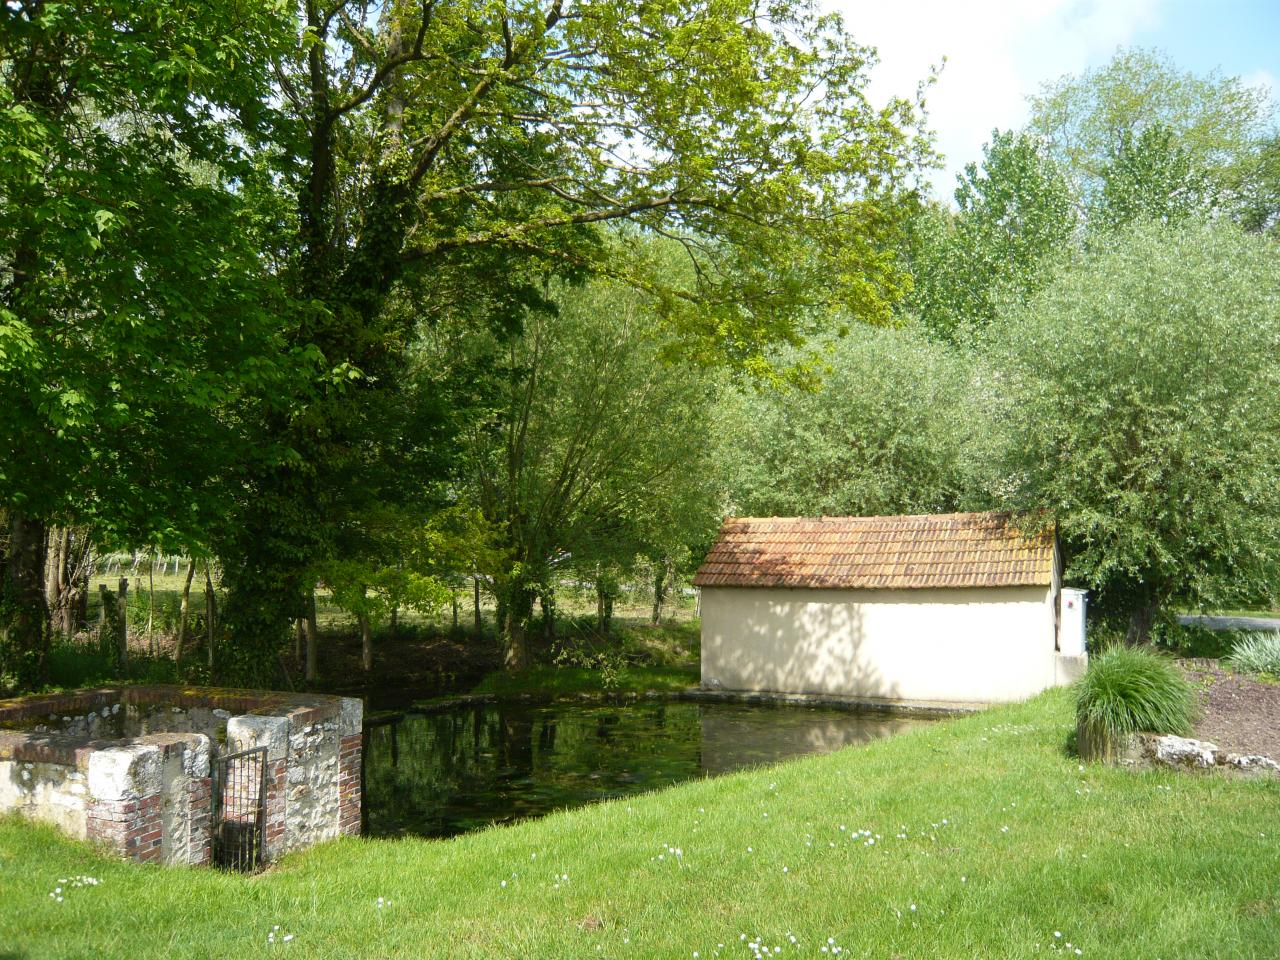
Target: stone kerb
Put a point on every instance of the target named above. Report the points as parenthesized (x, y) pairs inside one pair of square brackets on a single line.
[(1145, 750)]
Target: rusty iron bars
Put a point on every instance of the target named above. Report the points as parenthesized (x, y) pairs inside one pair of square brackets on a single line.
[(239, 808)]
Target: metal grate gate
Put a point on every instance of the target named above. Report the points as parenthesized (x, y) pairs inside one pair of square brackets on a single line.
[(239, 808)]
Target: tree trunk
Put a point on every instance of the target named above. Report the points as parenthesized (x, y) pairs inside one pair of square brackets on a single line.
[(313, 639), (659, 591), (55, 578), (183, 610), (518, 606), (366, 641), (106, 608), (1142, 618), (604, 602), (151, 605), (66, 579), (599, 601), (76, 612), (299, 641), (210, 610), (475, 595), (24, 633), (453, 597), (547, 603), (515, 653)]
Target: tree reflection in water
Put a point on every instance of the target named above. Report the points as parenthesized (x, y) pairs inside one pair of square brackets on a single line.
[(447, 773)]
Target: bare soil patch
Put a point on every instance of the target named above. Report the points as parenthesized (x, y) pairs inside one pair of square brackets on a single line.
[(1238, 713)]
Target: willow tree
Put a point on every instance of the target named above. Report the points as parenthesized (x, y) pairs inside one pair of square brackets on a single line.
[(896, 423), (1143, 393), (434, 146), (592, 449)]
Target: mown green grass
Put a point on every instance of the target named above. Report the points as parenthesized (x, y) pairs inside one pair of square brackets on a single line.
[(1007, 840)]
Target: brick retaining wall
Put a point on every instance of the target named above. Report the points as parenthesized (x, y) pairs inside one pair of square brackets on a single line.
[(149, 797)]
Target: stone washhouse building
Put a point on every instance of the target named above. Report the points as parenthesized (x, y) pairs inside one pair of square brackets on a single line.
[(951, 610)]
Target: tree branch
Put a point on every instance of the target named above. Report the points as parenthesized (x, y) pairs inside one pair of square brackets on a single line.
[(515, 232)]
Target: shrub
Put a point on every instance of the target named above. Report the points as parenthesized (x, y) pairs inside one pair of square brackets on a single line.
[(1128, 689), (1193, 640), (1256, 653)]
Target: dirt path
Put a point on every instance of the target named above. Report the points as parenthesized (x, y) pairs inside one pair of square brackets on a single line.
[(1238, 713)]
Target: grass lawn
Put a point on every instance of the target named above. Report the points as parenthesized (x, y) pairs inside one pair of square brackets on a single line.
[(988, 842)]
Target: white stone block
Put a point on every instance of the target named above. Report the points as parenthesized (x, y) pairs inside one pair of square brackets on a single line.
[(249, 730), (350, 717), (125, 772)]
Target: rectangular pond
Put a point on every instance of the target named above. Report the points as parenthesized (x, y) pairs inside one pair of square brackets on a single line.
[(441, 774)]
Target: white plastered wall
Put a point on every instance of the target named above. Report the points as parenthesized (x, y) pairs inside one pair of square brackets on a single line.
[(954, 646)]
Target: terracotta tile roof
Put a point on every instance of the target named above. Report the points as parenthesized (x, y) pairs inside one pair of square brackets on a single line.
[(942, 550)]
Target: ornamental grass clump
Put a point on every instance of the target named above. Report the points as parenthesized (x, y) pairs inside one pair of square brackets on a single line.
[(1256, 653), (1126, 690)]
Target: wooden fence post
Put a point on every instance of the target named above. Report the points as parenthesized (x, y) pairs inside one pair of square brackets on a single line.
[(122, 620)]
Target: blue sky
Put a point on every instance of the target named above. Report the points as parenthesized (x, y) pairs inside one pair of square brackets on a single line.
[(1241, 38), (999, 51)]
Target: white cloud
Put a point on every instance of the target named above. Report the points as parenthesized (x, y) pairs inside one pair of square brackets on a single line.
[(997, 52)]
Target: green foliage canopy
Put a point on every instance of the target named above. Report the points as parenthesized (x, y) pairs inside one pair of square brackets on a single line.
[(131, 309), (1015, 212), (595, 446), (892, 427), (430, 148), (1089, 120), (1144, 401), (135, 317)]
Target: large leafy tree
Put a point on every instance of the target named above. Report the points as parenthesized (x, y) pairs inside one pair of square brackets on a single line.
[(429, 143), (132, 316), (1258, 202), (1145, 405), (1216, 124), (892, 426), (1151, 177)]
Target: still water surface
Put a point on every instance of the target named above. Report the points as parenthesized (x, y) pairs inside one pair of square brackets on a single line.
[(447, 773)]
